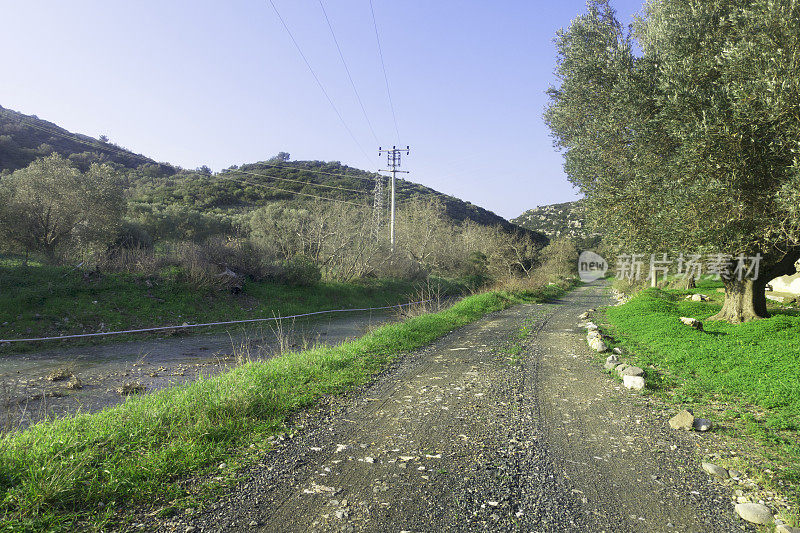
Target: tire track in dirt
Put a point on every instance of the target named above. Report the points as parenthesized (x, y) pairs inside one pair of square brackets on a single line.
[(473, 434)]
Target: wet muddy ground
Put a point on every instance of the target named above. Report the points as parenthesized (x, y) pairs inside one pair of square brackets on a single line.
[(63, 381)]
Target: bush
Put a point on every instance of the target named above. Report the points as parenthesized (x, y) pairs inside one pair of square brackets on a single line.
[(132, 235), (301, 271)]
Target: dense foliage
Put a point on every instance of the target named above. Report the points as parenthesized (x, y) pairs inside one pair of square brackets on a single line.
[(692, 145), (50, 204), (281, 220)]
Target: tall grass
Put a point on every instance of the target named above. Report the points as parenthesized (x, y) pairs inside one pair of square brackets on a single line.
[(57, 473), (44, 300)]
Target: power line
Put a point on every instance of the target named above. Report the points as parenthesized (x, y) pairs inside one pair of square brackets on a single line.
[(315, 171), (221, 175), (349, 76), (111, 148), (73, 137), (289, 191), (319, 83), (300, 181), (385, 76)]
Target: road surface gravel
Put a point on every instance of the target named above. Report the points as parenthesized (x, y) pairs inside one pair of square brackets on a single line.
[(507, 424)]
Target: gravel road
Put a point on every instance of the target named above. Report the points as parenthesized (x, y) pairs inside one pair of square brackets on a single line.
[(484, 430)]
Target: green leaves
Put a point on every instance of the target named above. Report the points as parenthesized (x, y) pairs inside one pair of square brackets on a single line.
[(691, 145)]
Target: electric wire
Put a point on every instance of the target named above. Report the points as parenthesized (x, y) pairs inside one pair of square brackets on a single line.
[(328, 198), (225, 323), (319, 83), (385, 76), (75, 138), (357, 191), (347, 70)]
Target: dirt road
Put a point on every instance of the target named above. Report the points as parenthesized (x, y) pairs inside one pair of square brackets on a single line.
[(508, 424)]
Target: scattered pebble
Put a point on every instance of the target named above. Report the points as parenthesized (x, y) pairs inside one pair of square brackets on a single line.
[(715, 470)]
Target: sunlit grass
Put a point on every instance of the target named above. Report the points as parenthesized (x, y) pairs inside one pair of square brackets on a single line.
[(60, 472), (753, 369)]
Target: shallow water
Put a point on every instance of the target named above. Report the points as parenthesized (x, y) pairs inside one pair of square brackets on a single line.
[(28, 396)]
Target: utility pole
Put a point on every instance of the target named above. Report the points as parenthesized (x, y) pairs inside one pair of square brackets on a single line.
[(393, 160), (378, 207)]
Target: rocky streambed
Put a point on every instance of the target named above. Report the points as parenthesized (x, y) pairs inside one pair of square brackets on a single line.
[(63, 381)]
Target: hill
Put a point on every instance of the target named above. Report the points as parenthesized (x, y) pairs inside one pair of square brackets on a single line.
[(154, 186), (24, 138), (556, 220)]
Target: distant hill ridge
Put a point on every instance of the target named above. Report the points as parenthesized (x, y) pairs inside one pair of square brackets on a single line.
[(556, 220), (24, 138)]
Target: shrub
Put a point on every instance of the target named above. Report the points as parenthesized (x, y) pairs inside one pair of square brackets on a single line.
[(301, 271)]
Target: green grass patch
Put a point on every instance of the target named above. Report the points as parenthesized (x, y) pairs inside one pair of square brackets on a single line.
[(42, 300), (752, 369), (83, 470)]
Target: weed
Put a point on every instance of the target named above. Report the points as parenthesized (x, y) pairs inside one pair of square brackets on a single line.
[(141, 450)]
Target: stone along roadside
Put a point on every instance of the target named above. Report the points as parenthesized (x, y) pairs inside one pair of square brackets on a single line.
[(482, 430)]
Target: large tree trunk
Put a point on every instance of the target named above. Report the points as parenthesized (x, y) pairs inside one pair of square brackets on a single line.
[(745, 300)]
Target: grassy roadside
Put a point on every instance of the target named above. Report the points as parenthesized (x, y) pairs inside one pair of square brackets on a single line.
[(42, 300), (81, 471), (744, 377)]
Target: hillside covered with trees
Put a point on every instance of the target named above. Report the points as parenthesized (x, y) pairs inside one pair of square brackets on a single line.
[(24, 138), (66, 198)]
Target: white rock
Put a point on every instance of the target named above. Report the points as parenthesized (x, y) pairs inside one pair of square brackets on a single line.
[(584, 316), (682, 420), (754, 513), (783, 528), (591, 326), (617, 350), (715, 470), (593, 334), (692, 322), (633, 371), (621, 368), (597, 345), (633, 382), (611, 362)]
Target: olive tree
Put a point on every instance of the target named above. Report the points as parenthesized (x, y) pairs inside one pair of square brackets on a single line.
[(50, 205), (691, 145)]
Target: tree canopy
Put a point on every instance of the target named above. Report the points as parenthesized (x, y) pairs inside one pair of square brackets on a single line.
[(51, 204), (691, 145)]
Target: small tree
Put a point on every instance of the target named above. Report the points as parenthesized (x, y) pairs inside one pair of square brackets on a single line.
[(50, 204)]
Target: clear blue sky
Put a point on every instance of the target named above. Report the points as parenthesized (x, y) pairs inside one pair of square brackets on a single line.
[(220, 83)]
